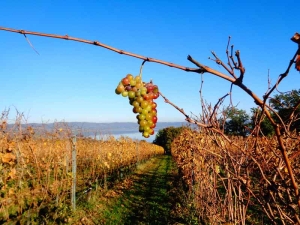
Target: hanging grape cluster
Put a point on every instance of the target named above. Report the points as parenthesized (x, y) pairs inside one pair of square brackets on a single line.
[(141, 96)]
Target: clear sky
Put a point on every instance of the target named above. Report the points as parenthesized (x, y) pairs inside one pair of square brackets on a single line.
[(71, 81)]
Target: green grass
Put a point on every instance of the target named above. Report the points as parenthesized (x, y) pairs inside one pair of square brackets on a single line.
[(148, 200)]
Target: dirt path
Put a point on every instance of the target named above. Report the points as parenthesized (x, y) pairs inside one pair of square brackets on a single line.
[(145, 197)]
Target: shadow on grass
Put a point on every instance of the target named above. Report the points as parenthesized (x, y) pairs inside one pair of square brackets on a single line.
[(148, 201)]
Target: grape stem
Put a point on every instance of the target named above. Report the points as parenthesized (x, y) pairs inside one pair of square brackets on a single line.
[(142, 67)]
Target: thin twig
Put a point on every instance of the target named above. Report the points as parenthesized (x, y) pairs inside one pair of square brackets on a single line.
[(31, 44), (190, 120), (232, 59), (228, 57), (216, 105), (240, 66), (281, 76), (219, 61)]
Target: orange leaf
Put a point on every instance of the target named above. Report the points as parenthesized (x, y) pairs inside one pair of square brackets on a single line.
[(8, 158), (11, 146), (12, 173)]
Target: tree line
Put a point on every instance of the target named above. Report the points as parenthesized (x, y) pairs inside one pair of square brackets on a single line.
[(240, 123)]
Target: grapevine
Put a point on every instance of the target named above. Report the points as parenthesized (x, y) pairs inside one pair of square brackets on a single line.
[(141, 96)]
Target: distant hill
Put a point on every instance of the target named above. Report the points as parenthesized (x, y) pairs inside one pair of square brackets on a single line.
[(87, 128)]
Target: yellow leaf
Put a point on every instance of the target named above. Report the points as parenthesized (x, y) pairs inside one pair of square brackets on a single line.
[(217, 169), (11, 192), (11, 146), (106, 164), (8, 158), (12, 173)]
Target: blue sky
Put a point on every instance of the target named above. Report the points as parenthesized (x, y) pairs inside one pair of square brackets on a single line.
[(71, 81)]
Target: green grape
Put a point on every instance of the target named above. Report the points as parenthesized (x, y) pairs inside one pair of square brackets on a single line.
[(143, 90), (142, 117), (150, 123), (145, 112), (131, 94), (144, 104), (125, 93), (138, 93), (143, 123), (148, 108), (132, 82), (141, 129), (148, 117), (135, 103), (146, 128), (139, 99), (146, 134)]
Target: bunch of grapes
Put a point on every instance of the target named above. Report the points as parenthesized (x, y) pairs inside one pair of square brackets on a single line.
[(141, 96)]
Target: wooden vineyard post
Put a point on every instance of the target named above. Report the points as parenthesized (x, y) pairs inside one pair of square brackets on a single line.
[(73, 190), (105, 180), (137, 153)]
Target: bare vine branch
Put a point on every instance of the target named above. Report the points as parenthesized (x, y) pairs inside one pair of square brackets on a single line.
[(97, 43), (283, 75)]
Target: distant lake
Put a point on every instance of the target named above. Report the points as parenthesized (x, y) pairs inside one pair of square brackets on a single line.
[(136, 136), (132, 135)]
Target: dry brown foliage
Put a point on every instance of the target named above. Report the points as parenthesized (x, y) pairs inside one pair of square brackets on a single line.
[(35, 165), (242, 183)]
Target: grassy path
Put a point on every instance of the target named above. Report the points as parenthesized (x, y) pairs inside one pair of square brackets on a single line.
[(145, 198)]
